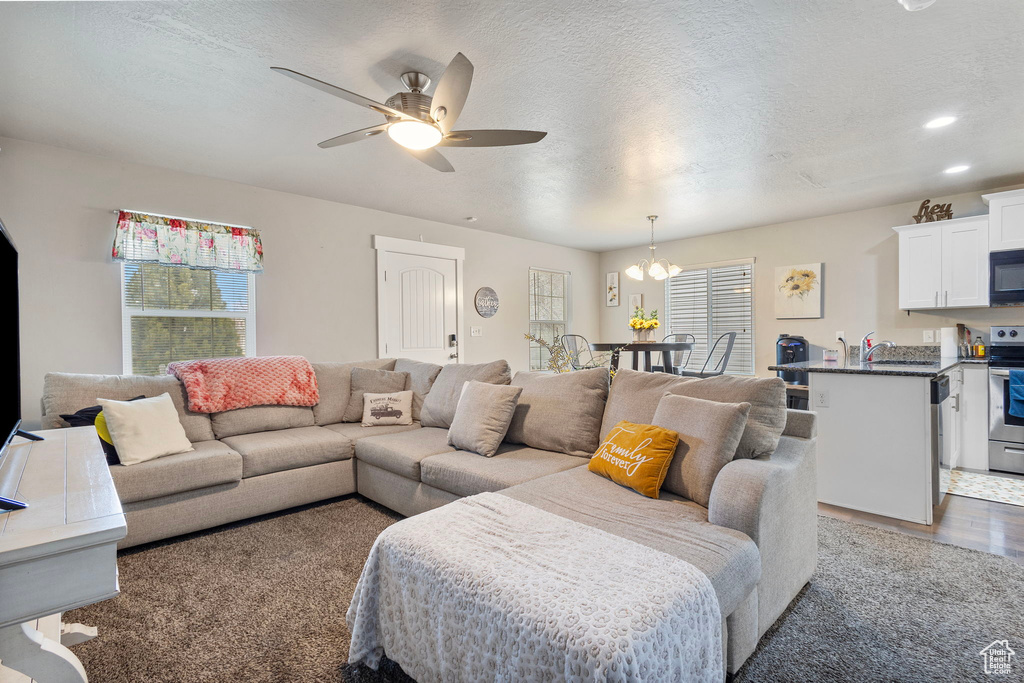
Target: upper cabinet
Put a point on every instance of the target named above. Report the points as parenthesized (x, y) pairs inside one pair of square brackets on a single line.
[(1005, 220), (944, 264)]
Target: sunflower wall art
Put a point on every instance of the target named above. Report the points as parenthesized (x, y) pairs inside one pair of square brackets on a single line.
[(798, 291)]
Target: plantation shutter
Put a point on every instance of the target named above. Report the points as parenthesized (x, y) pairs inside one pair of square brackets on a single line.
[(709, 302)]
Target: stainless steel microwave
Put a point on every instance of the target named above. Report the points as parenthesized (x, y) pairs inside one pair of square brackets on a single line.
[(1006, 278)]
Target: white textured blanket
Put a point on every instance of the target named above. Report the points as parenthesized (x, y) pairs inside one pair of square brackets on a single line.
[(490, 588)]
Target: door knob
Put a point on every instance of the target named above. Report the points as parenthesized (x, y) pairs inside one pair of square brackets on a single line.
[(453, 355)]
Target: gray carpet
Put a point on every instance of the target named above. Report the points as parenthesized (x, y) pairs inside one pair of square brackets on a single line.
[(265, 600)]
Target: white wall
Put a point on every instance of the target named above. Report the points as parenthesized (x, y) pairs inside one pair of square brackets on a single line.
[(316, 297), (859, 251)]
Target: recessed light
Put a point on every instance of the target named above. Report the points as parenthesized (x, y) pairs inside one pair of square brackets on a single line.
[(940, 122), (957, 169)]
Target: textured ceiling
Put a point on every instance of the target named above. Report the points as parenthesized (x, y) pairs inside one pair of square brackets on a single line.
[(715, 115)]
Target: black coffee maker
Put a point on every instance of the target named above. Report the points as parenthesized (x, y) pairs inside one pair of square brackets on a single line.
[(791, 348)]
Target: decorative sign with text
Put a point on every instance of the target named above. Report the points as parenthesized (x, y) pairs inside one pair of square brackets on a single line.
[(935, 212), (486, 302)]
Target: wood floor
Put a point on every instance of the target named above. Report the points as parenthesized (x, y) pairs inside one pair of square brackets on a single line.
[(996, 528)]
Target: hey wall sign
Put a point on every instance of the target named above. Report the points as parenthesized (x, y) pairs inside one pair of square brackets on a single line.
[(486, 302)]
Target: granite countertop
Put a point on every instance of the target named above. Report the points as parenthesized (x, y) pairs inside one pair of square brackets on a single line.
[(929, 367)]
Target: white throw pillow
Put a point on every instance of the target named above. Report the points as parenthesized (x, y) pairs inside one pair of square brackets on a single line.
[(145, 429), (387, 409)]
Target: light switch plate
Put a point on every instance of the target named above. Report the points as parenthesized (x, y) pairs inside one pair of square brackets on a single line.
[(476, 331), (929, 336)]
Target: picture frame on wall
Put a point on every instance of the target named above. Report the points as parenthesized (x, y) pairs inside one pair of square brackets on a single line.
[(635, 301), (611, 291), (798, 291)]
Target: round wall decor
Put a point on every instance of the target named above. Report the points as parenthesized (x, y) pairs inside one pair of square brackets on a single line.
[(486, 302)]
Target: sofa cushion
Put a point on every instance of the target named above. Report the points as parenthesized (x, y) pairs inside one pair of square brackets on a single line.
[(482, 417), (209, 463), (634, 396), (439, 405), (637, 456), (334, 380), (421, 379), (402, 453), (287, 449), (672, 525), (709, 433), (466, 474), (144, 429), (560, 412), (767, 399), (65, 392), (366, 381), (260, 419), (355, 431)]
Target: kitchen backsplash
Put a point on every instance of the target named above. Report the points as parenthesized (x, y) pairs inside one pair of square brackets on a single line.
[(899, 353)]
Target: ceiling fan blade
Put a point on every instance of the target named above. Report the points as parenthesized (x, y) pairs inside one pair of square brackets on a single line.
[(491, 138), (354, 136), (451, 92), (431, 157), (342, 93)]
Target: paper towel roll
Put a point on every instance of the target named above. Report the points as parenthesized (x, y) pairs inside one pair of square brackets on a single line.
[(949, 344)]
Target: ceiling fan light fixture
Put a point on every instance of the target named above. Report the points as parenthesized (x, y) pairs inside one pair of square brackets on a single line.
[(414, 134)]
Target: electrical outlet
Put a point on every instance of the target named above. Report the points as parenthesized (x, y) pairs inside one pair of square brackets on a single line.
[(476, 332), (929, 336), (821, 399), (840, 335)]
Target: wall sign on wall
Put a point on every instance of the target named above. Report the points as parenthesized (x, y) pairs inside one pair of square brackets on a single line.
[(611, 291), (486, 302), (798, 291), (635, 301)]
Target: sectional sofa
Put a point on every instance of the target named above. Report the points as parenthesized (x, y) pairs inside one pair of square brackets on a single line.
[(756, 539)]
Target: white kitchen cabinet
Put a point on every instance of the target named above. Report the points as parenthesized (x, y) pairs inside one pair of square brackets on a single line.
[(974, 409), (944, 264), (1005, 220)]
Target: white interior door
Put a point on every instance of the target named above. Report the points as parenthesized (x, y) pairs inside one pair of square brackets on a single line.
[(419, 308)]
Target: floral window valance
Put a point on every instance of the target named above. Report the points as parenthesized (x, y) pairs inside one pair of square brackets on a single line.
[(180, 242)]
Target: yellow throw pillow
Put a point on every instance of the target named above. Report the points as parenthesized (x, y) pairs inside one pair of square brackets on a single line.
[(636, 456)]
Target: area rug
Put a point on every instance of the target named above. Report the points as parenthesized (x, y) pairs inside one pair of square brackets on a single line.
[(265, 601), (986, 487)]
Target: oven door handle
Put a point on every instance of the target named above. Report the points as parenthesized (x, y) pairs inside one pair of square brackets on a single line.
[(998, 373)]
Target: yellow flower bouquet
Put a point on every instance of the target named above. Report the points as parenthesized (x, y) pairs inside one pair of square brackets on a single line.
[(643, 325)]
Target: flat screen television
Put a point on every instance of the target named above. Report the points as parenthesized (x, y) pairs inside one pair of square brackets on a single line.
[(10, 347)]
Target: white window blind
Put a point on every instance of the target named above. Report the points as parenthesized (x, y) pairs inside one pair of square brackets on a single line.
[(172, 313), (709, 302), (549, 312)]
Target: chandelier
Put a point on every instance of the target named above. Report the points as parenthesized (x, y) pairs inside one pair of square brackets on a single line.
[(658, 269)]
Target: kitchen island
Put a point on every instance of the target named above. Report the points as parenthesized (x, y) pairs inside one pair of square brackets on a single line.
[(884, 445)]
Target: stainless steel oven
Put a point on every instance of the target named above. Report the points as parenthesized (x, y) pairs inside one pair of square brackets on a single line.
[(1005, 431), (1006, 278)]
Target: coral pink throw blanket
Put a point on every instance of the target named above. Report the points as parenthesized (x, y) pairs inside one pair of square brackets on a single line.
[(218, 384)]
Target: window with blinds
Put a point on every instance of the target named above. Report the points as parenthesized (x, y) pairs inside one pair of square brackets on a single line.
[(549, 312), (172, 313), (707, 303)]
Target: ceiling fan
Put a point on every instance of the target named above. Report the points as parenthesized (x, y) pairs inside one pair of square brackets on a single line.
[(419, 122)]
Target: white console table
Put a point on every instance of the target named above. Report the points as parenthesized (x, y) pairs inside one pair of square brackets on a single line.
[(57, 554)]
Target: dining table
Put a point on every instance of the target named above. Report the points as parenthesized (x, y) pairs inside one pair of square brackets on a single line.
[(645, 349)]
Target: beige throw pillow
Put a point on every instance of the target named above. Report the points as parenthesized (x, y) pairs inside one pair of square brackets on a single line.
[(482, 417), (560, 412), (387, 409), (767, 399), (373, 381), (421, 379), (709, 433), (145, 429), (439, 405)]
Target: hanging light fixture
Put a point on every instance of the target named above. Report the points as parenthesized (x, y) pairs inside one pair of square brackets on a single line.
[(658, 269)]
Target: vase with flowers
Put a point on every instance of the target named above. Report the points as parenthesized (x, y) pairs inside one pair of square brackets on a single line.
[(644, 325)]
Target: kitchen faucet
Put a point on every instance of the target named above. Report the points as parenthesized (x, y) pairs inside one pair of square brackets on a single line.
[(866, 352)]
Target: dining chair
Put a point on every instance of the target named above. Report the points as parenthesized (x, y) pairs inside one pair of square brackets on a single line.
[(678, 359), (729, 339), (578, 349)]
